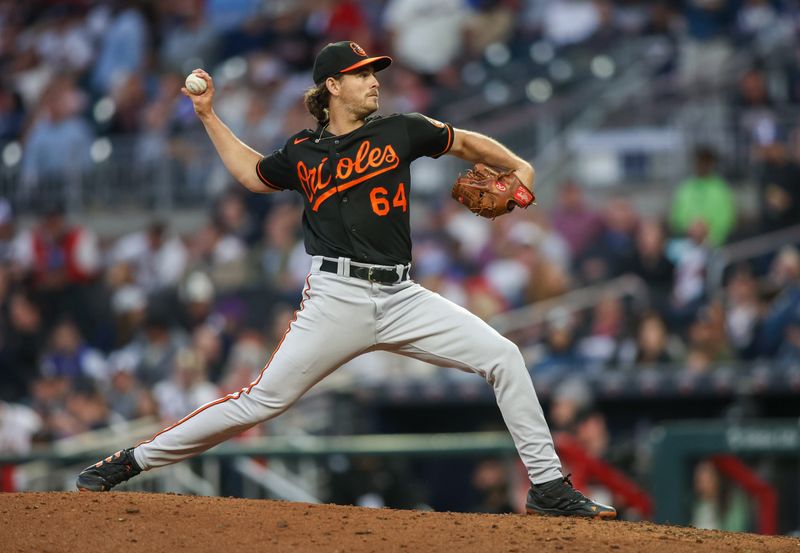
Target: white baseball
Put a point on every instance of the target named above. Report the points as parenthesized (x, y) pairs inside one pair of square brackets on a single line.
[(196, 84)]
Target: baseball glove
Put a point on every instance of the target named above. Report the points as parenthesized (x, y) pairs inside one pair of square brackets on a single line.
[(490, 193)]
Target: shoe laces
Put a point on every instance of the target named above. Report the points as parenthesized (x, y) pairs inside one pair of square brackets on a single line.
[(567, 494)]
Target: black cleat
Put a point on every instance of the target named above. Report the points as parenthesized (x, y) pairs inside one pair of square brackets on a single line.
[(559, 498), (107, 473)]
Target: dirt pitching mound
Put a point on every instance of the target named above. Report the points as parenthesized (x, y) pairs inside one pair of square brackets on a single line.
[(136, 522)]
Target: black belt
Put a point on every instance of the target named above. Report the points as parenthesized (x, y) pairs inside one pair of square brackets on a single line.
[(381, 275)]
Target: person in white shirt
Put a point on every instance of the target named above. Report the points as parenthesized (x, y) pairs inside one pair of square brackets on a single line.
[(157, 260)]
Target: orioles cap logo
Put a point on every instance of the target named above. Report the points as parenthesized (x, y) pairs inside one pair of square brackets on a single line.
[(358, 49)]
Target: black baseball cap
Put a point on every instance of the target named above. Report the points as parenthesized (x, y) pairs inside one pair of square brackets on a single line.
[(342, 57)]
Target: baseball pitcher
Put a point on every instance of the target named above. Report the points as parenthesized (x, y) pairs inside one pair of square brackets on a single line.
[(353, 173)]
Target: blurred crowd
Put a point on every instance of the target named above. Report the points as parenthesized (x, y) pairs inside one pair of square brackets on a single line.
[(96, 329), (87, 81)]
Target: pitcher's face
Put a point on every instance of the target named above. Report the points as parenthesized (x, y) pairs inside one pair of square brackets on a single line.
[(358, 92)]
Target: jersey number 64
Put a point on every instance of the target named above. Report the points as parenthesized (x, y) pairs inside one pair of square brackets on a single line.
[(379, 197)]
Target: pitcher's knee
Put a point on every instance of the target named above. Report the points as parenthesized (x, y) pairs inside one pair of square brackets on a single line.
[(506, 358), (507, 352), (269, 407)]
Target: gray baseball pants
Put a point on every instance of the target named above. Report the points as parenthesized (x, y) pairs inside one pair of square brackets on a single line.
[(341, 317)]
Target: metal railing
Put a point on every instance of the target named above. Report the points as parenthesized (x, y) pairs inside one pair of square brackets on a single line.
[(183, 174), (577, 300), (750, 248)]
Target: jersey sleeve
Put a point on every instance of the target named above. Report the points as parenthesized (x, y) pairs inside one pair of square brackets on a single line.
[(276, 171), (427, 136)]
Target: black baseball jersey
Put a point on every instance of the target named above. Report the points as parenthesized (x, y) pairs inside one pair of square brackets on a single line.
[(356, 186)]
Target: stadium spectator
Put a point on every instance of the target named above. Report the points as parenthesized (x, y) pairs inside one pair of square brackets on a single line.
[(706, 44), (520, 250), (552, 280), (663, 22), (156, 259), (706, 197), (213, 345), (408, 92), (572, 398), (7, 233), (196, 295), (225, 15), (61, 262), (559, 352), (23, 338), (187, 30), (490, 480), (123, 48), (69, 356), (539, 232), (613, 248), (12, 115), (64, 40), (491, 22), (789, 351), (288, 37), (84, 409), (785, 278), (249, 354), (743, 311), (56, 254), (281, 257), (125, 395), (606, 333), (653, 347), (425, 36), (262, 122), (756, 17), (58, 142), (156, 346), (220, 254), (513, 268), (754, 110), (592, 434), (707, 342), (649, 262), (574, 220), (339, 20), (232, 212), (691, 259), (567, 22), (19, 425), (129, 97), (128, 307), (717, 505), (778, 192), (186, 387)]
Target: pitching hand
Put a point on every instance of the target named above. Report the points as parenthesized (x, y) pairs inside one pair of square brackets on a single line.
[(201, 102)]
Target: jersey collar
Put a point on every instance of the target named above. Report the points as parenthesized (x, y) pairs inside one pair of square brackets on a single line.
[(322, 130)]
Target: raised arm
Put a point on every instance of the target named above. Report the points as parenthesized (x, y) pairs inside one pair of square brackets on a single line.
[(239, 158), (478, 148)]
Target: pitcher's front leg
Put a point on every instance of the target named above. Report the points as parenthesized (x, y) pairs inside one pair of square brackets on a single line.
[(331, 327), (426, 326)]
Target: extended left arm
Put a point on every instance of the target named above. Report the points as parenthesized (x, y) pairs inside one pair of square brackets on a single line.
[(478, 148)]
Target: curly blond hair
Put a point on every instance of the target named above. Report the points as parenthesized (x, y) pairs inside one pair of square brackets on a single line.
[(317, 99)]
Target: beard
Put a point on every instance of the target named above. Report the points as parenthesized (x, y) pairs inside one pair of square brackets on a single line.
[(362, 107), (367, 110)]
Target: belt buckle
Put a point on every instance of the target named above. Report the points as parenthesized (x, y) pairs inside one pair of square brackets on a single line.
[(370, 272)]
